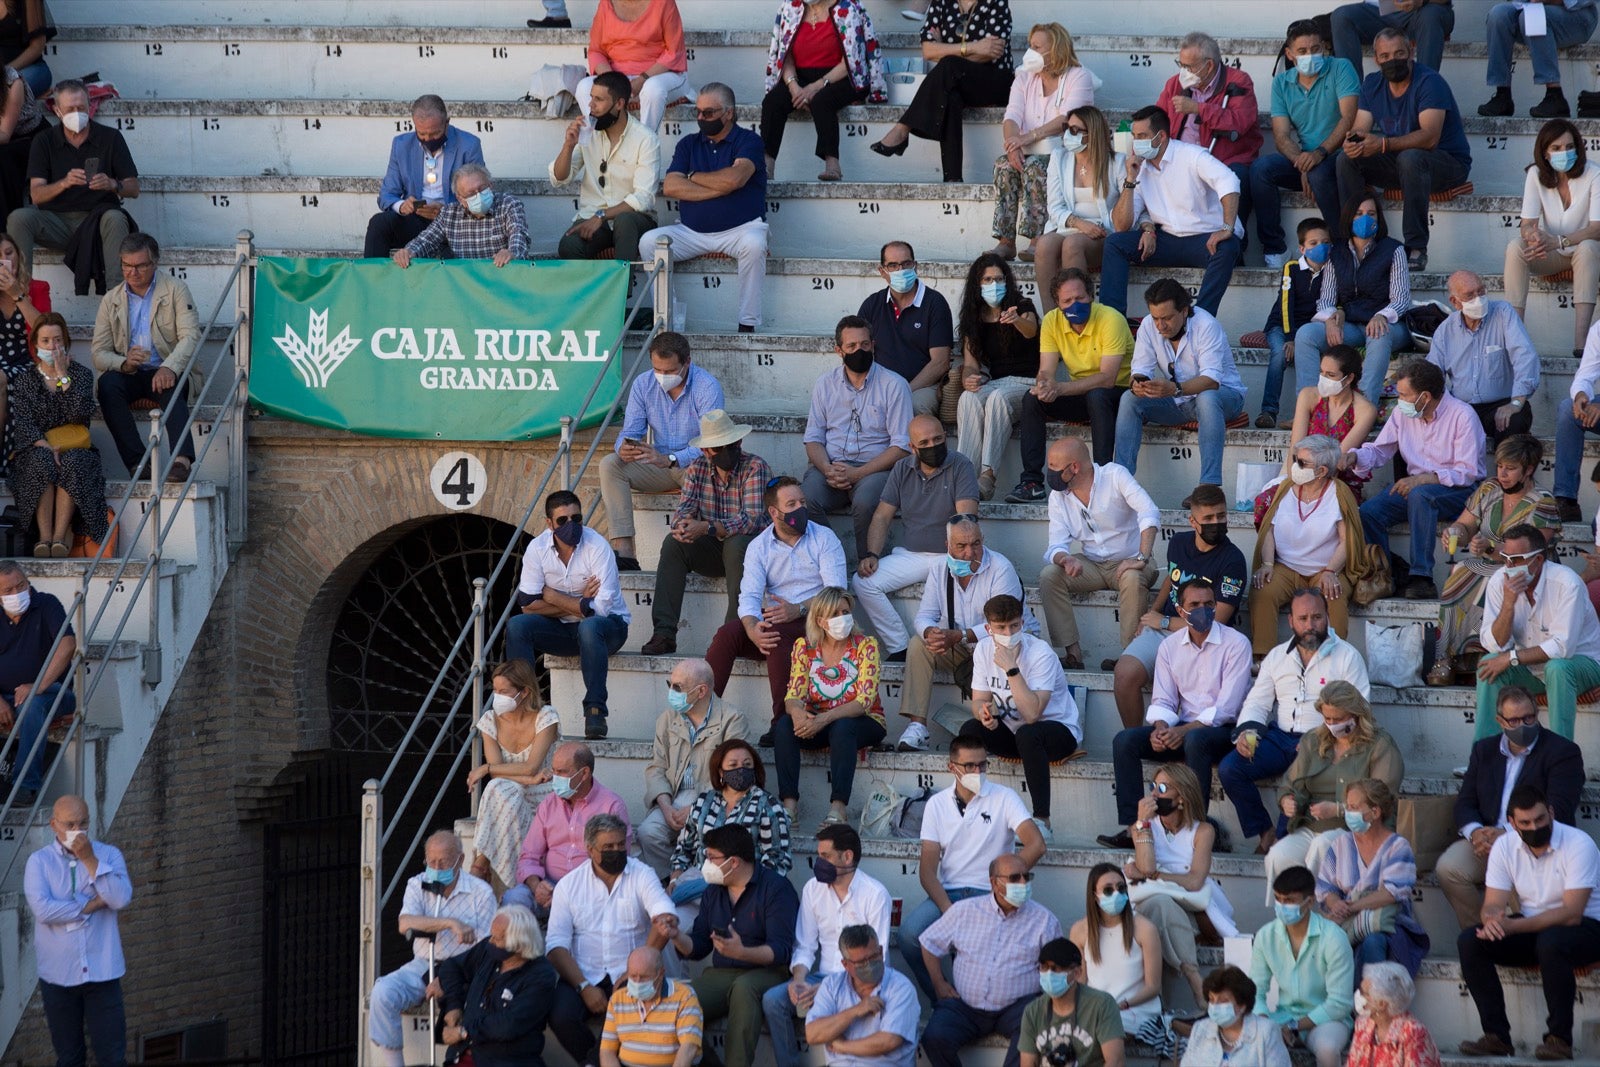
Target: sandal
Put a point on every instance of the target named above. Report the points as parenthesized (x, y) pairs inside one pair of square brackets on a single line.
[(833, 818), (60, 549), (1442, 673), (179, 471), (41, 550)]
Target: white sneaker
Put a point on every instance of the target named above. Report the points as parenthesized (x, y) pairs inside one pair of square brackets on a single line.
[(1276, 260), (912, 14), (915, 738)]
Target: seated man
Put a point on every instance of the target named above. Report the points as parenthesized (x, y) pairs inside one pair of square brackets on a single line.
[(1428, 22), (1522, 753), (719, 178), (65, 192), (477, 224), (911, 326), (652, 452), (1311, 960), (1564, 23), (1407, 136), (680, 757), (571, 603), (1536, 613), (620, 169), (1552, 870), (996, 938), (1183, 371), (600, 912), (839, 897), (866, 1014), (1113, 521), (950, 620), (422, 165), (1093, 343), (32, 619), (1441, 440), (749, 937), (1572, 422), (1202, 551), (652, 1019), (556, 842), (145, 333), (1292, 675), (856, 431), (444, 912), (924, 489), (1073, 1022), (1213, 106), (1201, 676), (1487, 357), (957, 850), (1178, 208)]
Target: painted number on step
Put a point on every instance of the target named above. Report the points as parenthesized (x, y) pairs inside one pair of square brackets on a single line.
[(711, 281), (643, 599), (309, 201), (333, 51), (485, 125), (764, 359), (1182, 452), (773, 206), (424, 51), (311, 124), (230, 49), (210, 124), (1138, 59), (949, 209), (1496, 144), (153, 49), (402, 126), (821, 283), (855, 129), (1563, 300), (1272, 455), (865, 208), (1508, 221), (924, 781), (499, 53), (179, 272), (125, 124), (891, 690), (219, 200), (458, 480)]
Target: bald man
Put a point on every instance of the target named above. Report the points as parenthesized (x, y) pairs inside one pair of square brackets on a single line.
[(651, 1017), (1487, 357), (554, 844), (75, 888), (925, 488)]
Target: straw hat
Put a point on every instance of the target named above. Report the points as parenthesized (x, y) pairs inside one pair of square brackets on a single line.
[(718, 430)]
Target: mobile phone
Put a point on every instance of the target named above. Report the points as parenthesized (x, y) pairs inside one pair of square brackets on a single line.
[(1357, 137), (631, 443), (91, 166), (1139, 378), (721, 931)]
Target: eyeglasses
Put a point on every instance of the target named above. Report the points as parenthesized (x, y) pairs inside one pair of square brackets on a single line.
[(1080, 130), (874, 958), (900, 264), (676, 688), (1520, 720), (1534, 554), (562, 520), (1120, 887), (708, 112), (979, 767), (1015, 879)]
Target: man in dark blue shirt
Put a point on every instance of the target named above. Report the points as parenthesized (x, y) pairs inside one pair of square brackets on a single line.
[(719, 178), (911, 326), (1408, 133), (28, 628)]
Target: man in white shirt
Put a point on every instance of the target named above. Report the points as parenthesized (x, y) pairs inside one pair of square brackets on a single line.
[(949, 620), (600, 912), (1178, 207), (1573, 421), (619, 164), (1537, 613), (1292, 675), (1114, 522), (839, 895), (1201, 676), (1553, 870), (964, 829), (571, 603), (1183, 371)]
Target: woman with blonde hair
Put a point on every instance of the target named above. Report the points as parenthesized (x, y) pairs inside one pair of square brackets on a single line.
[(1121, 949), (1080, 190), (518, 730)]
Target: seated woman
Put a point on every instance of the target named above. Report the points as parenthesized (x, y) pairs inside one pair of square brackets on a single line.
[(1366, 289), (55, 471), (1081, 185), (1560, 224), (1501, 502), (824, 57), (737, 795), (969, 44), (1051, 83), (999, 329), (1348, 747), (644, 40), (21, 116), (1333, 406), (518, 732), (1170, 873), (1387, 1034), (1231, 1032), (497, 994), (1121, 952), (18, 315), (832, 702), (1366, 876), (1310, 536), (24, 33)]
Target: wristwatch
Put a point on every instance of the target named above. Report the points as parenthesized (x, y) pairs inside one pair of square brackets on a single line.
[(672, 460), (600, 213), (1515, 659), (1013, 672), (1142, 557)]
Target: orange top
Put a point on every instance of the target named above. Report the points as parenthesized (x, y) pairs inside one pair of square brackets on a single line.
[(634, 47)]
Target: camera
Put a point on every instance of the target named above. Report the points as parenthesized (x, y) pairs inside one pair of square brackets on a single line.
[(1062, 1055)]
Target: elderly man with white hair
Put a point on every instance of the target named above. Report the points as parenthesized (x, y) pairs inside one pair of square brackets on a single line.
[(1384, 1022), (651, 1018), (476, 225), (1487, 357), (497, 995), (445, 905)]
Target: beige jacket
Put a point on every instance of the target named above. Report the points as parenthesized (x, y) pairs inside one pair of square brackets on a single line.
[(174, 326), (675, 763)]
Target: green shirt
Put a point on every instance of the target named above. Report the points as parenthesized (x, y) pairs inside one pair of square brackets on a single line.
[(1092, 1023), (1316, 984)]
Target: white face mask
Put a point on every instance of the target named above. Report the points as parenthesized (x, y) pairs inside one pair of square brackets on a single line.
[(76, 121), (972, 783), (668, 381), (1072, 143), (1188, 78), (70, 838), (1004, 640), (1362, 1007), (16, 603), (713, 872), (1302, 475), (1328, 387), (1476, 308), (502, 703), (1032, 61), (839, 626)]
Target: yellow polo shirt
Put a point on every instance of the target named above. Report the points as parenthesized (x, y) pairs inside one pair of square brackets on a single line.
[(1106, 334), (651, 1038)]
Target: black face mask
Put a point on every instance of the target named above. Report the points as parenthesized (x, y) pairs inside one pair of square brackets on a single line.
[(709, 127), (432, 145), (1166, 805), (796, 520), (613, 860), (741, 778), (1213, 533), (727, 458), (1538, 838), (1396, 70), (859, 361), (1056, 480), (1523, 736), (606, 121), (495, 953), (934, 455)]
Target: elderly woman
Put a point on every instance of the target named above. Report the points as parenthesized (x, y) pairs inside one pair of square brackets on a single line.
[(999, 329), (1051, 83), (1506, 500), (1365, 879), (517, 731), (824, 57), (969, 44), (497, 994), (1387, 1034), (1349, 746), (644, 40), (1081, 185), (832, 702), (1231, 1032), (1310, 536), (1560, 224), (737, 795), (1121, 950)]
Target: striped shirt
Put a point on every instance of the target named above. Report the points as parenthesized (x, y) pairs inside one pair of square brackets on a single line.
[(649, 1033), (1345, 876), (739, 504), (672, 423), (458, 235), (757, 811), (997, 954)]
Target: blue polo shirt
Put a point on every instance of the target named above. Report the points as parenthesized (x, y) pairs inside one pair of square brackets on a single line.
[(698, 152), (25, 642), (1396, 116), (1314, 112)]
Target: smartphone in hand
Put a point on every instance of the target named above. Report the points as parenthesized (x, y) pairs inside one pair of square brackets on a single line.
[(91, 167)]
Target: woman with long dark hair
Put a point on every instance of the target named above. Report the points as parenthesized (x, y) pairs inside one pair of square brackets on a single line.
[(999, 330)]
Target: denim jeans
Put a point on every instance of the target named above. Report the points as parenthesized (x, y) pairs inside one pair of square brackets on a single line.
[(1275, 751), (35, 720), (1212, 409), (1122, 252), (843, 738), (1563, 29), (912, 926), (68, 1008), (1417, 172), (594, 641), (1423, 507), (1273, 173), (955, 1024), (1355, 25), (1272, 391), (1569, 449), (1203, 748), (1311, 344), (779, 1010)]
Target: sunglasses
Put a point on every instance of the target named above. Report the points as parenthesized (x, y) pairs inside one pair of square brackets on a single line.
[(562, 520), (1014, 879), (708, 112)]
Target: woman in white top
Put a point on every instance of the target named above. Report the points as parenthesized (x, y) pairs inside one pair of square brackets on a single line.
[(1081, 186), (518, 732), (1049, 83), (1560, 224), (1121, 949)]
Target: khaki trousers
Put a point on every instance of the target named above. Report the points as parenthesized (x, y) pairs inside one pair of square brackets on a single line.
[(920, 665), (618, 480), (1461, 874), (1270, 599), (1056, 590)]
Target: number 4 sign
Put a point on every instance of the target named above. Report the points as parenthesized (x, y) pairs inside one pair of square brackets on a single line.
[(459, 480)]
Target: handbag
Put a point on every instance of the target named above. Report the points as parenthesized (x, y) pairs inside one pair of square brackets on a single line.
[(69, 437), (1189, 899), (1378, 582)]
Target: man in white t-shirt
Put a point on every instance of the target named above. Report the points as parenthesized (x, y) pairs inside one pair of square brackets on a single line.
[(1021, 706), (1552, 869), (963, 829)]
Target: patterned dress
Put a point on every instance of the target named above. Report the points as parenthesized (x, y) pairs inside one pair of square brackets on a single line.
[(14, 360), (506, 809), (37, 406), (757, 811), (822, 687), (1461, 599), (1408, 1045)]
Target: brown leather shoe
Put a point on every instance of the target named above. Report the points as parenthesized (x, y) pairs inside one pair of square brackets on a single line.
[(1487, 1045), (1553, 1048)]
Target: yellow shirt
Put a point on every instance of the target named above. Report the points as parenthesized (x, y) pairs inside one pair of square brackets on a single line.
[(650, 1038), (1106, 334)]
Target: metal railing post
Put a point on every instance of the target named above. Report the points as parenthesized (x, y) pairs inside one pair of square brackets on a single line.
[(80, 687), (152, 648), (371, 913), (238, 468), (662, 260), (566, 452), (479, 599)]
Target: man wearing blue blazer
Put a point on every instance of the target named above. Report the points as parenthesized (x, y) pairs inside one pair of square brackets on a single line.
[(417, 183)]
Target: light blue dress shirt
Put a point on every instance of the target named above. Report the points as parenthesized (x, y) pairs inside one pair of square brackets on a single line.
[(793, 575), (139, 323), (73, 948), (899, 1016), (672, 423), (1496, 361)]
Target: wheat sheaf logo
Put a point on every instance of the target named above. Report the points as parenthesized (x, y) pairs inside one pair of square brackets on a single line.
[(316, 357)]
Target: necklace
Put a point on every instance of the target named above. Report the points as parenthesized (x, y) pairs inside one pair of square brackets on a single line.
[(1305, 512)]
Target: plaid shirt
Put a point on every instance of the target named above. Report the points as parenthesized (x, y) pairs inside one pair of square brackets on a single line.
[(739, 505), (997, 955), (462, 236)]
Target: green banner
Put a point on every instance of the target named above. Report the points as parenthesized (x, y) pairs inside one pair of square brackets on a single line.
[(457, 350)]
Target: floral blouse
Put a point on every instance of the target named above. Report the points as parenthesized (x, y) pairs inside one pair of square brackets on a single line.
[(862, 57), (1409, 1044), (855, 677), (945, 24), (758, 811)]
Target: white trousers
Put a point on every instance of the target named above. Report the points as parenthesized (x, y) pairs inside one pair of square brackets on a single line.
[(659, 91), (896, 570), (984, 420), (746, 243)]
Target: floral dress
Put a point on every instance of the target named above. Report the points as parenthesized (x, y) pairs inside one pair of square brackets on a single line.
[(862, 57), (1461, 599), (822, 687), (1408, 1045), (38, 405), (506, 808)]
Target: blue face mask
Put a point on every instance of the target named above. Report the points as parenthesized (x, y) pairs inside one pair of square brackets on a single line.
[(1288, 914), (1318, 254), (1146, 149), (1364, 227), (1054, 983), (562, 787), (992, 293), (1202, 617), (677, 701), (481, 203), (1408, 408), (641, 990), (1564, 160), (1077, 312), (959, 568), (1356, 821), (1018, 893), (438, 877), (904, 280), (1114, 904), (1310, 66), (1225, 1014)]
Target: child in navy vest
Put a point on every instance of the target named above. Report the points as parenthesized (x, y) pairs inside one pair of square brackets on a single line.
[(1293, 307)]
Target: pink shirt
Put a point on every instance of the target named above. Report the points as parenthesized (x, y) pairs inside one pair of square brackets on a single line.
[(1030, 108), (634, 47), (1450, 444), (554, 844)]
